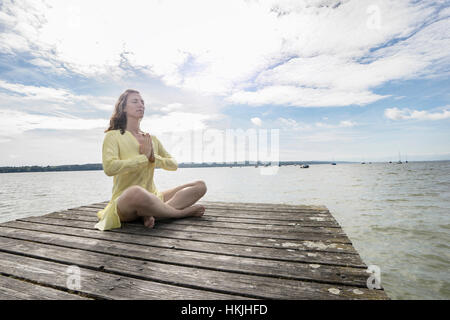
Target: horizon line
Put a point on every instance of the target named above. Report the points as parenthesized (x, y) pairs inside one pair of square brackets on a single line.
[(248, 162)]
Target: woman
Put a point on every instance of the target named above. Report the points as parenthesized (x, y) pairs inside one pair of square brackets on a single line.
[(131, 156)]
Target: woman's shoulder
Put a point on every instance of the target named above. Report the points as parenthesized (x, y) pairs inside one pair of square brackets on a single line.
[(113, 134)]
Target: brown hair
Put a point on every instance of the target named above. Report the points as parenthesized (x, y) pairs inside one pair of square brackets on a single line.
[(119, 117)]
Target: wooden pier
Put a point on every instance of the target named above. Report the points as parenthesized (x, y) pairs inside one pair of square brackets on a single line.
[(235, 251)]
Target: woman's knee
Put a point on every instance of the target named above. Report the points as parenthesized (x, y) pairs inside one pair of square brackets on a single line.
[(201, 187), (137, 195)]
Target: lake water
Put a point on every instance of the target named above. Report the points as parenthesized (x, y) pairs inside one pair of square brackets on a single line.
[(397, 216)]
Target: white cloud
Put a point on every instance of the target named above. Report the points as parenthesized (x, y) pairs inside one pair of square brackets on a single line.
[(346, 124), (305, 97), (444, 13), (406, 114), (291, 124), (38, 93), (342, 124), (55, 108), (329, 137), (256, 121), (43, 147), (176, 122), (48, 100), (336, 73), (423, 54), (309, 53), (15, 122), (41, 62), (172, 107), (340, 73)]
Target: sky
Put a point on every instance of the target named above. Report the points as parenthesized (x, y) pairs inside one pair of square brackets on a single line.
[(348, 80)]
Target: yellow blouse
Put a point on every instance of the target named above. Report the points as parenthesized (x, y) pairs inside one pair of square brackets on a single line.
[(121, 159)]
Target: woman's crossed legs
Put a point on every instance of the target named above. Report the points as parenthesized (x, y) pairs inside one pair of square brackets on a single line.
[(136, 202)]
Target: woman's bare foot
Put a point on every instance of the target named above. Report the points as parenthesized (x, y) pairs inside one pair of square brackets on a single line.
[(196, 210), (149, 222)]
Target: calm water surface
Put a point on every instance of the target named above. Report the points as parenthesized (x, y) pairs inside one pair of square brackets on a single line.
[(397, 216)]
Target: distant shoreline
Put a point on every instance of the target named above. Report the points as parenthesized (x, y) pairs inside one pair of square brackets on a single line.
[(98, 166)]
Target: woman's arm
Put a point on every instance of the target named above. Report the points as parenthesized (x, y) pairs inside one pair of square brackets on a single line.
[(163, 159), (112, 164)]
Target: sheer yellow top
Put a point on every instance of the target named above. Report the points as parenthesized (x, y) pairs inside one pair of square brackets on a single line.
[(121, 159)]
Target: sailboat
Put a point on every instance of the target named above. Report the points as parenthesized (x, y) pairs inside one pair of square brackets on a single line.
[(399, 159)]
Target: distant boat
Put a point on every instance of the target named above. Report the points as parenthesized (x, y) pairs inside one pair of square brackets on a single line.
[(333, 163), (304, 166), (363, 162), (399, 159)]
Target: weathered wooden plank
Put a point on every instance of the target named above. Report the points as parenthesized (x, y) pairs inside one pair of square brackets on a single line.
[(269, 210), (15, 289), (337, 244), (203, 222), (250, 205), (269, 217), (128, 229), (96, 284), (264, 267), (312, 220), (291, 233), (287, 270), (293, 228), (263, 212), (274, 234), (302, 254), (238, 250), (262, 205), (304, 222), (300, 221), (240, 284)]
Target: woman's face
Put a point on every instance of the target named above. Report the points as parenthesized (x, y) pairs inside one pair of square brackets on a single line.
[(135, 106)]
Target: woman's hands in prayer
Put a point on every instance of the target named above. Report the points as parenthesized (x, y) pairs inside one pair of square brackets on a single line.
[(147, 148)]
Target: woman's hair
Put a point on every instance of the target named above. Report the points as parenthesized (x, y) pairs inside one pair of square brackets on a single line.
[(119, 117)]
